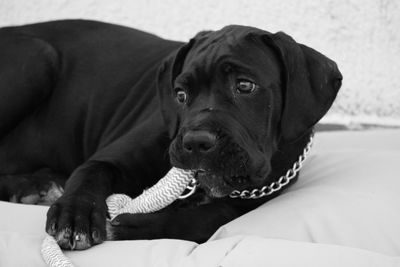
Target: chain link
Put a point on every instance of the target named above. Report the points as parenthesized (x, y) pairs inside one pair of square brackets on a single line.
[(281, 182), (190, 189)]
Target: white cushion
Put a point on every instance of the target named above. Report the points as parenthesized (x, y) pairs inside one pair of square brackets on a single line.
[(348, 194), (343, 211)]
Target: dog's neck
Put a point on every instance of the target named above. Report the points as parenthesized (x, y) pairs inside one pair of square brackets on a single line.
[(282, 181), (286, 155)]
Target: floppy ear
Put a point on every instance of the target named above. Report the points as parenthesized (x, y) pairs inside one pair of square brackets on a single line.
[(312, 81), (168, 71)]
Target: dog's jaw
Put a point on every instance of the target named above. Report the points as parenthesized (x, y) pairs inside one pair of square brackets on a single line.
[(214, 186), (227, 170)]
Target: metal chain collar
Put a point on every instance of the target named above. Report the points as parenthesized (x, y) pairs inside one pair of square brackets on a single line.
[(281, 182), (265, 190)]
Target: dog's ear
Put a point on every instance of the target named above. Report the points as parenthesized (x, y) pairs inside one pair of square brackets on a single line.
[(311, 82), (168, 71)]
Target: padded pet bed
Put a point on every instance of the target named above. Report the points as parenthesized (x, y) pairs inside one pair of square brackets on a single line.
[(343, 211)]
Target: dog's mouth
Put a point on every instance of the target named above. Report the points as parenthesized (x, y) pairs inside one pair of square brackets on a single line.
[(219, 185), (226, 168), (219, 182)]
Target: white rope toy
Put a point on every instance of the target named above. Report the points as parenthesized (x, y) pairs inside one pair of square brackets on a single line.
[(160, 195)]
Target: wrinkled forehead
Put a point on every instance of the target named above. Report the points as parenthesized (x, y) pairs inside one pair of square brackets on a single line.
[(236, 46)]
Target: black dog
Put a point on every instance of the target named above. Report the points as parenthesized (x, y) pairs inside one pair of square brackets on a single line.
[(113, 108)]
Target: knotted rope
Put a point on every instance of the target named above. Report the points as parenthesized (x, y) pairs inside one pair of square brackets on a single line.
[(160, 195)]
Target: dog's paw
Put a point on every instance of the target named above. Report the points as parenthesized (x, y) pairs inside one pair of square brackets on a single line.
[(37, 188), (19, 189), (137, 226), (25, 198), (110, 231), (50, 193), (77, 222), (34, 193)]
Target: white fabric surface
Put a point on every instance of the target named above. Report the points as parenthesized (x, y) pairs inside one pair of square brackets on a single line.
[(343, 211), (348, 194)]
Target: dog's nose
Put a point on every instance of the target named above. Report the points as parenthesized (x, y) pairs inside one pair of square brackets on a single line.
[(199, 141)]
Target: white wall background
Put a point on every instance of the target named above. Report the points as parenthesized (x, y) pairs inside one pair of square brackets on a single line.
[(362, 36)]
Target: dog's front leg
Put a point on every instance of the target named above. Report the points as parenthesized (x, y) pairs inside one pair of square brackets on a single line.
[(193, 224), (77, 219)]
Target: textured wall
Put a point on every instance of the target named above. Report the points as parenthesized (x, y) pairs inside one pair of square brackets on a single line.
[(362, 36)]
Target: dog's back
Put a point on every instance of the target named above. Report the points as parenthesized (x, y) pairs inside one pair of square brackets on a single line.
[(89, 79)]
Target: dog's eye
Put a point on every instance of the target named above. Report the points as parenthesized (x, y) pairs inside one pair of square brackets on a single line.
[(181, 95), (245, 86)]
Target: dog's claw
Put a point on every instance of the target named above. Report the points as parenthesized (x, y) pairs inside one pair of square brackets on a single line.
[(95, 235), (53, 229)]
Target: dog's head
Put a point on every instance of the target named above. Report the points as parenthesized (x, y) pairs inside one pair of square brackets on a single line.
[(229, 97)]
